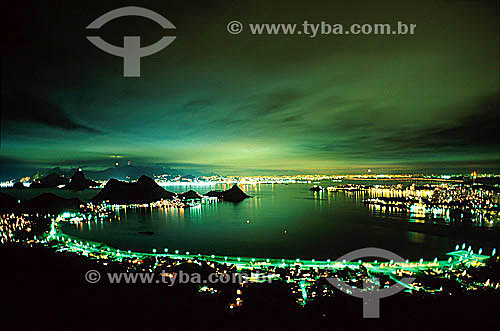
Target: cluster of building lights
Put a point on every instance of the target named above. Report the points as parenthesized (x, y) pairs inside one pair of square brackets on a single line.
[(446, 201), (12, 227), (301, 275)]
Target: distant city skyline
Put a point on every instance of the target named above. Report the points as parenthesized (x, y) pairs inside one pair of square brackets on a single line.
[(14, 171)]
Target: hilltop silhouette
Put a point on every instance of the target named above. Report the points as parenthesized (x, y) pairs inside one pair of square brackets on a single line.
[(234, 194), (78, 182), (18, 185), (43, 203), (49, 181), (50, 203), (190, 195), (145, 190)]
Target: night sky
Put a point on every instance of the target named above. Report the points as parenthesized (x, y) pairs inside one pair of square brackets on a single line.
[(244, 104)]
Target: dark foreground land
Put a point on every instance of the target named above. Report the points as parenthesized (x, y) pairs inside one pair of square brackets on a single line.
[(44, 290)]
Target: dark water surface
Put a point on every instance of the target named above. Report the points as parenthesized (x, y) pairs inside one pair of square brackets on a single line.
[(284, 221)]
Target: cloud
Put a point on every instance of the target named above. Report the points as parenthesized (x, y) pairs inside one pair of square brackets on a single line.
[(22, 107), (198, 103), (277, 102), (372, 133), (478, 129)]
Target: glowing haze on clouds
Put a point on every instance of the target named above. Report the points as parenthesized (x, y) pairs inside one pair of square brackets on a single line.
[(242, 103)]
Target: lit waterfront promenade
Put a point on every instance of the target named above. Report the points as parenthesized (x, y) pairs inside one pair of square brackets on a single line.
[(65, 242)]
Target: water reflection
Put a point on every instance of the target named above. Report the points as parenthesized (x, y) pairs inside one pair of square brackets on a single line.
[(284, 221), (416, 237)]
